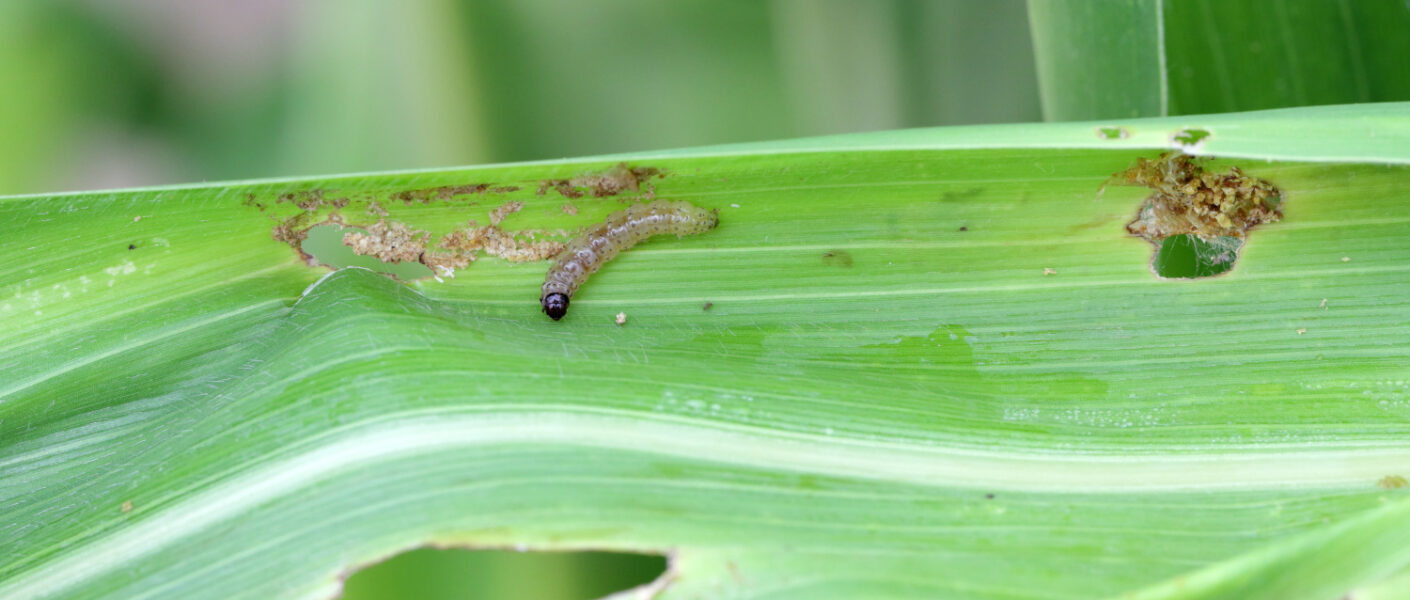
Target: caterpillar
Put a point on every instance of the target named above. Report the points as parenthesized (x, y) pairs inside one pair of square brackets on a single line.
[(585, 254)]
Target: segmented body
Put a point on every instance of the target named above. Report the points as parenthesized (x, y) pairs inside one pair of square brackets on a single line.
[(620, 231)]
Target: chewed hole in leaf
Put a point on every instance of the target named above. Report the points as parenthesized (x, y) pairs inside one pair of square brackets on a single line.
[(435, 574), (1198, 219), (1189, 137), (325, 244), (1189, 257), (1112, 133)]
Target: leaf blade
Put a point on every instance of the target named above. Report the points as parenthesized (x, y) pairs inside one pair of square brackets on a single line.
[(830, 430)]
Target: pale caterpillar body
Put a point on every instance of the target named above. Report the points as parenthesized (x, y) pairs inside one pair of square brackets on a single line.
[(621, 230)]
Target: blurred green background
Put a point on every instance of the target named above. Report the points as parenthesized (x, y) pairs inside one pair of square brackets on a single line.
[(102, 94)]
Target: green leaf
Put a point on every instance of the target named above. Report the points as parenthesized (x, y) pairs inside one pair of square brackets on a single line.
[(1130, 58), (933, 365), (1248, 55), (1099, 60)]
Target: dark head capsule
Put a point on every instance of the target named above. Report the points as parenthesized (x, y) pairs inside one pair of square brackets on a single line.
[(555, 305)]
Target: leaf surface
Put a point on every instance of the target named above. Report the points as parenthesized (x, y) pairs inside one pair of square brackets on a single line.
[(933, 364), (1148, 58)]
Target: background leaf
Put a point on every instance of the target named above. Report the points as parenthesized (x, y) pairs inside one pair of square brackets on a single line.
[(1100, 60), (1135, 58), (1232, 56)]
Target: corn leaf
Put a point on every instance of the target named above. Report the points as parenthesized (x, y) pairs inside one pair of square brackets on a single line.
[(1139, 58), (915, 364)]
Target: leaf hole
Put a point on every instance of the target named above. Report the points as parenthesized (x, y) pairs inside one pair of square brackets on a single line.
[(462, 574), (1197, 219), (1113, 133), (1190, 257), (1189, 137), (325, 244)]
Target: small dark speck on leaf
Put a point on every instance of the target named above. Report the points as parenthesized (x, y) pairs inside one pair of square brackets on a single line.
[(988, 496), (131, 246), (707, 306), (838, 258), (964, 228)]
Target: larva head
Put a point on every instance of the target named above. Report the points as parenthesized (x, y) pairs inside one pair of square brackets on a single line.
[(707, 218), (555, 305)]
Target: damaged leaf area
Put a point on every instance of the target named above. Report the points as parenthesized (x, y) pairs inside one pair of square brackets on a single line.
[(619, 575), (388, 242), (461, 247), (1190, 200), (616, 180), (1196, 218), (449, 192), (394, 240)]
